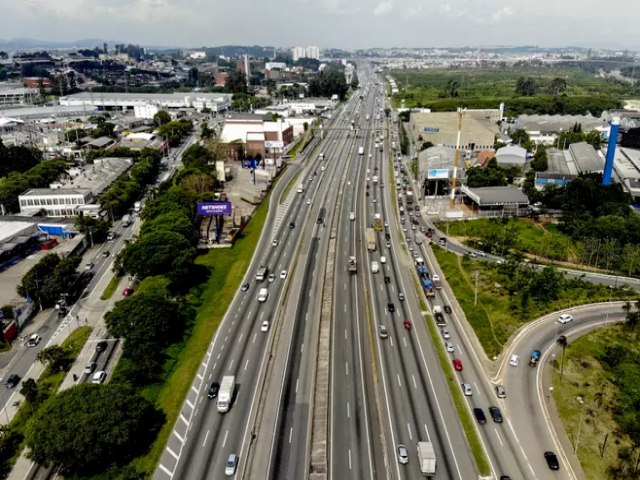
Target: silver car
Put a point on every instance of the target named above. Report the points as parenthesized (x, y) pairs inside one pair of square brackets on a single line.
[(466, 389), (403, 454)]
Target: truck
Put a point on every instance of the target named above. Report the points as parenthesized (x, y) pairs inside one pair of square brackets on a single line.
[(427, 286), (436, 281), (409, 197), (137, 207), (262, 272), (361, 151), (371, 240), (263, 295), (427, 458), (377, 222), (225, 395), (352, 266), (126, 220)]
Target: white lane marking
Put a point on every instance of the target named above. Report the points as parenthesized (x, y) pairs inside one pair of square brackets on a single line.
[(261, 315), (214, 366), (249, 314), (346, 368), (205, 439), (345, 334), (415, 385), (231, 364), (302, 348), (240, 337), (224, 442), (218, 357), (226, 338), (399, 382), (498, 435), (290, 434), (246, 365), (345, 308), (409, 430), (179, 437), (348, 411), (172, 453), (391, 341), (297, 382), (477, 389), (254, 338), (166, 470), (349, 459), (426, 430), (345, 287)]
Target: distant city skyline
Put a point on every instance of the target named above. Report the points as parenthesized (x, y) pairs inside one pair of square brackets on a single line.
[(349, 24)]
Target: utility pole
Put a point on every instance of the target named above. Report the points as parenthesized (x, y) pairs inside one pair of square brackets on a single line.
[(475, 297), (457, 160)]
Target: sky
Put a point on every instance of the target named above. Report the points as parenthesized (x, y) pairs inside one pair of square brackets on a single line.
[(345, 24)]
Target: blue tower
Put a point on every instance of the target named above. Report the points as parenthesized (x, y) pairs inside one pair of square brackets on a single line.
[(611, 151)]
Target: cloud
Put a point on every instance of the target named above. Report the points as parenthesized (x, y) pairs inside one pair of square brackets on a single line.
[(382, 9), (503, 13)]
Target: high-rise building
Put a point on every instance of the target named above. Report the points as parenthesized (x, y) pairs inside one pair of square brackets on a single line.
[(305, 52), (313, 52)]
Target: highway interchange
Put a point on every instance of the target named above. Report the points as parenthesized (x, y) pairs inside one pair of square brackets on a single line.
[(383, 391)]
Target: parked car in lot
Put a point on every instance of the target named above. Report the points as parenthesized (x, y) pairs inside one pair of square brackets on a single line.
[(552, 460)]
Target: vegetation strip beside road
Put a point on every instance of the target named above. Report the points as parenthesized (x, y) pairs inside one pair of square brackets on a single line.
[(12, 437), (479, 455), (512, 294), (228, 267), (111, 287), (597, 400)]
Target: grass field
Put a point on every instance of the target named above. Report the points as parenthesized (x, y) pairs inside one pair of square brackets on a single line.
[(592, 420), (227, 267), (495, 318), (110, 288)]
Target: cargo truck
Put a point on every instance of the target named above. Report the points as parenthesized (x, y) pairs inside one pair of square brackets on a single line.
[(261, 274), (225, 395), (377, 222), (436, 282), (352, 266), (409, 197), (427, 459), (371, 240)]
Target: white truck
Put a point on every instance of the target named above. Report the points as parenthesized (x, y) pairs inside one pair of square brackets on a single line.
[(225, 395), (427, 459), (137, 207)]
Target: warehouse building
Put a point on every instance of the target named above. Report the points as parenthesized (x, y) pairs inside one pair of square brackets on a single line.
[(496, 201), (479, 128), (511, 155)]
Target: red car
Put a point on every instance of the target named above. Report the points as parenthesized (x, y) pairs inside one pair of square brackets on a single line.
[(127, 292), (457, 364)]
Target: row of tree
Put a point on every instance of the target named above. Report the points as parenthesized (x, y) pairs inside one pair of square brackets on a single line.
[(17, 158), (330, 81), (39, 176), (49, 278), (492, 175)]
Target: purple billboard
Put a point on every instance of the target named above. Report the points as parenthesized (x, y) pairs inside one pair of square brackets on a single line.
[(214, 208)]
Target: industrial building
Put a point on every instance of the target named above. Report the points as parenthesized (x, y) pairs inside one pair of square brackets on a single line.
[(257, 134), (496, 201), (216, 102), (511, 155), (585, 158), (15, 94), (544, 129), (558, 171), (479, 128)]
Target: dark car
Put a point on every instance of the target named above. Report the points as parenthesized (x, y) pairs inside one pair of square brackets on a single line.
[(101, 346), (213, 390), (62, 311), (106, 253), (245, 287), (496, 414), (480, 417), (292, 225), (447, 309), (12, 381), (387, 279), (391, 307), (552, 460), (535, 358), (387, 236), (505, 477)]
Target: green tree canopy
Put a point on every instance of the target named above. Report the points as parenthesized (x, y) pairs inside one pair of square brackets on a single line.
[(161, 118), (236, 82), (88, 428), (330, 81), (526, 87)]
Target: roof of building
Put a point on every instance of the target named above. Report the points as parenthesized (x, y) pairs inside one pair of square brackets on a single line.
[(8, 230), (512, 155), (492, 196), (437, 157), (484, 156), (101, 142), (556, 162), (586, 157), (57, 111), (255, 136), (557, 123), (38, 192), (175, 96)]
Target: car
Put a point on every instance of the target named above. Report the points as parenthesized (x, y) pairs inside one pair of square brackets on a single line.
[(231, 465), (552, 460), (466, 389), (391, 307), (473, 255), (500, 391), (271, 278), (90, 367), (514, 361), (213, 390), (404, 229), (308, 201), (99, 377), (403, 454), (106, 253), (386, 224), (382, 331), (388, 244), (366, 194), (447, 309), (12, 380), (401, 296), (482, 254), (265, 326), (383, 259), (101, 346), (480, 416), (245, 287), (89, 266), (322, 168), (375, 201), (445, 334), (274, 242), (283, 274), (34, 339), (505, 477), (535, 358), (111, 236), (457, 364), (292, 225), (449, 347), (127, 292), (387, 236), (565, 318), (496, 414), (387, 279), (415, 254), (411, 249)]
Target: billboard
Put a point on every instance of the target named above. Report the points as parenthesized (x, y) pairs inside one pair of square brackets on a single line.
[(214, 208), (438, 173)]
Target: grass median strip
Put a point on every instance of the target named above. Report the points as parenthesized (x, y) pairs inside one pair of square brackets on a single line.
[(111, 287), (228, 267)]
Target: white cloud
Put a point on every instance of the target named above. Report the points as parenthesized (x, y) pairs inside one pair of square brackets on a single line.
[(503, 13), (383, 8)]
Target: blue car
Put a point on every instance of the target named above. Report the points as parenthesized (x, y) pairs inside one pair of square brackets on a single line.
[(535, 358)]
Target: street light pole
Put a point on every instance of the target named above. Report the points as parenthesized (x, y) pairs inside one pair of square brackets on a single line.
[(581, 402), (475, 297)]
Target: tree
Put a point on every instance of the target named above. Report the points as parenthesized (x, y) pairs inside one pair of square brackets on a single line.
[(96, 228), (558, 85), (272, 87), (205, 131), (32, 284), (632, 317), (172, 221), (526, 87), (545, 284), (159, 253), (119, 423), (54, 357), (236, 82), (354, 81), (29, 390), (161, 118), (520, 137), (563, 342), (630, 257), (330, 81), (540, 162), (452, 89)]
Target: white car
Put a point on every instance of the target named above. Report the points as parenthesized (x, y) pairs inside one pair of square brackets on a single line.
[(388, 244), (445, 334), (274, 242), (514, 361), (466, 389), (272, 278), (383, 259), (565, 318), (265, 326), (449, 346), (283, 274), (352, 215), (308, 201), (99, 377)]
